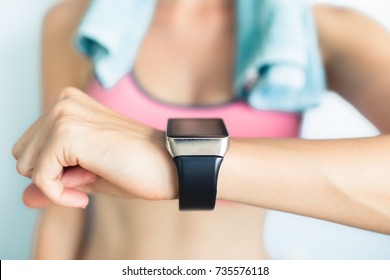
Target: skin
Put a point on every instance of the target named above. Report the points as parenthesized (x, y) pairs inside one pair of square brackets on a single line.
[(344, 181)]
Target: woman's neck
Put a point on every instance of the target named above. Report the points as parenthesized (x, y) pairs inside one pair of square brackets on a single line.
[(204, 16)]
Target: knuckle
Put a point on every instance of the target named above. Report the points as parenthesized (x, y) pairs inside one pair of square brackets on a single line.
[(16, 151), (64, 127), (62, 108), (38, 180), (19, 168), (68, 93), (22, 168)]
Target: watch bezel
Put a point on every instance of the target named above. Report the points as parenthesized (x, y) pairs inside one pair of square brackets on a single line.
[(197, 146)]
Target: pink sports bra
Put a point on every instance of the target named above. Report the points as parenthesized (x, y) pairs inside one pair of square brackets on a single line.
[(128, 98)]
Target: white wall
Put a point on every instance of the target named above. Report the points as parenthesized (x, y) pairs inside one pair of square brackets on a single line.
[(287, 236)]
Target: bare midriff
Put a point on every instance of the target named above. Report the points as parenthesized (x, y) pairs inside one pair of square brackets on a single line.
[(136, 229), (185, 60)]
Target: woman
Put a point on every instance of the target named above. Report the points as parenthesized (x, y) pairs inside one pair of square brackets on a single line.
[(344, 181)]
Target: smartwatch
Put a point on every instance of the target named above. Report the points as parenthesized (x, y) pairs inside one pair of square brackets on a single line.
[(197, 147)]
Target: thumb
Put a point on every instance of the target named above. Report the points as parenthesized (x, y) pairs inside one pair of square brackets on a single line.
[(76, 176), (34, 198)]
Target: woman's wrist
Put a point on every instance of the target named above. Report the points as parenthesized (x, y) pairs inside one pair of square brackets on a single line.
[(229, 187), (168, 167), (242, 175)]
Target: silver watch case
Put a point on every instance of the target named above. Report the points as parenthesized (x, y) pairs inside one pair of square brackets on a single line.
[(197, 146)]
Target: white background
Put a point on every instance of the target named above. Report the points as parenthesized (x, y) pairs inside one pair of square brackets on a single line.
[(192, 269), (287, 236)]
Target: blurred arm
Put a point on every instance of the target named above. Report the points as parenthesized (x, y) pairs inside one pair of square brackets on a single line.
[(357, 54)]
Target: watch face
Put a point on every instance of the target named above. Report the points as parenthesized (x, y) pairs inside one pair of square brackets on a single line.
[(196, 128)]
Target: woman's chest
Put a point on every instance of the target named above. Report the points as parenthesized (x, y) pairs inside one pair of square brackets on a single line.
[(188, 60)]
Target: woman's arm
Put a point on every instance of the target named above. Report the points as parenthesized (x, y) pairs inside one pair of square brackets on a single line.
[(346, 181), (60, 230), (357, 55), (62, 64)]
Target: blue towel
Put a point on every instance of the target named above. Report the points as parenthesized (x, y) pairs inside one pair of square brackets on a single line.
[(276, 45)]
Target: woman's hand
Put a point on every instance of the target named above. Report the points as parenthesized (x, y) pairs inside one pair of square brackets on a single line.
[(80, 146)]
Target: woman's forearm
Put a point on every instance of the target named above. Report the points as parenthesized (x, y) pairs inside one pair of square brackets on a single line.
[(344, 181)]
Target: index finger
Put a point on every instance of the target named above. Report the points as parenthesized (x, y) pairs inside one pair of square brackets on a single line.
[(47, 177)]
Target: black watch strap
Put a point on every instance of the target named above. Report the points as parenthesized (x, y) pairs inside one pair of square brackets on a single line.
[(198, 177)]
